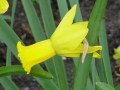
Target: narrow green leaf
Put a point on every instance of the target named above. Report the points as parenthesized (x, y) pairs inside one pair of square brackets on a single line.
[(118, 87), (8, 55), (105, 54), (95, 77), (47, 16), (63, 7), (8, 36), (17, 69), (7, 80), (89, 85), (33, 20), (8, 84), (13, 12), (104, 86), (6, 17), (101, 71), (94, 26), (95, 21)]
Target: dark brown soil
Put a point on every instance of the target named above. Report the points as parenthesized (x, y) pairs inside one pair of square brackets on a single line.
[(112, 18)]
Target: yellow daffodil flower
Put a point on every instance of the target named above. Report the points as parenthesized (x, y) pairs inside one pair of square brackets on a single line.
[(65, 41), (3, 6), (116, 56)]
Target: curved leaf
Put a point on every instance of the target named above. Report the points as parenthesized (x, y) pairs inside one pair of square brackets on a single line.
[(17, 69)]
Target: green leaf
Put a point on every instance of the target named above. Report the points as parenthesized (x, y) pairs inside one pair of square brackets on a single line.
[(105, 54), (63, 7), (17, 69), (104, 86), (89, 85), (47, 17), (8, 36), (118, 87), (94, 26), (8, 84), (33, 20)]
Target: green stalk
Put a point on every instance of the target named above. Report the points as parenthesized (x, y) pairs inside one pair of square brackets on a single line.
[(63, 7), (94, 27), (18, 69), (94, 74), (33, 20), (105, 54), (8, 84), (7, 80)]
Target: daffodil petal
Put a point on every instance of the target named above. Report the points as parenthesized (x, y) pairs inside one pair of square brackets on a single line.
[(96, 55), (79, 50), (3, 6), (70, 37), (67, 20), (34, 54)]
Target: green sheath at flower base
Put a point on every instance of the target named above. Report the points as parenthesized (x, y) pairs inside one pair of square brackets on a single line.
[(65, 41), (116, 56), (3, 6)]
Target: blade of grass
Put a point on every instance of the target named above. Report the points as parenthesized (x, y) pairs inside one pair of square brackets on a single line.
[(7, 80), (101, 70), (8, 56), (89, 85), (104, 86), (8, 36), (8, 84), (105, 54), (6, 17), (82, 72), (94, 74), (47, 16), (56, 65), (63, 7), (33, 20), (18, 69)]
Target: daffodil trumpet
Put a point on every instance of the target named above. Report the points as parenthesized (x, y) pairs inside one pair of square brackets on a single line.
[(3, 6), (67, 40)]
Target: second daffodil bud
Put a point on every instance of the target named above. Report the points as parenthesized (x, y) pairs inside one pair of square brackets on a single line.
[(3, 6), (65, 41)]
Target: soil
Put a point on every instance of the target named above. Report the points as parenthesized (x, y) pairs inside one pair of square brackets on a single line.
[(112, 18)]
